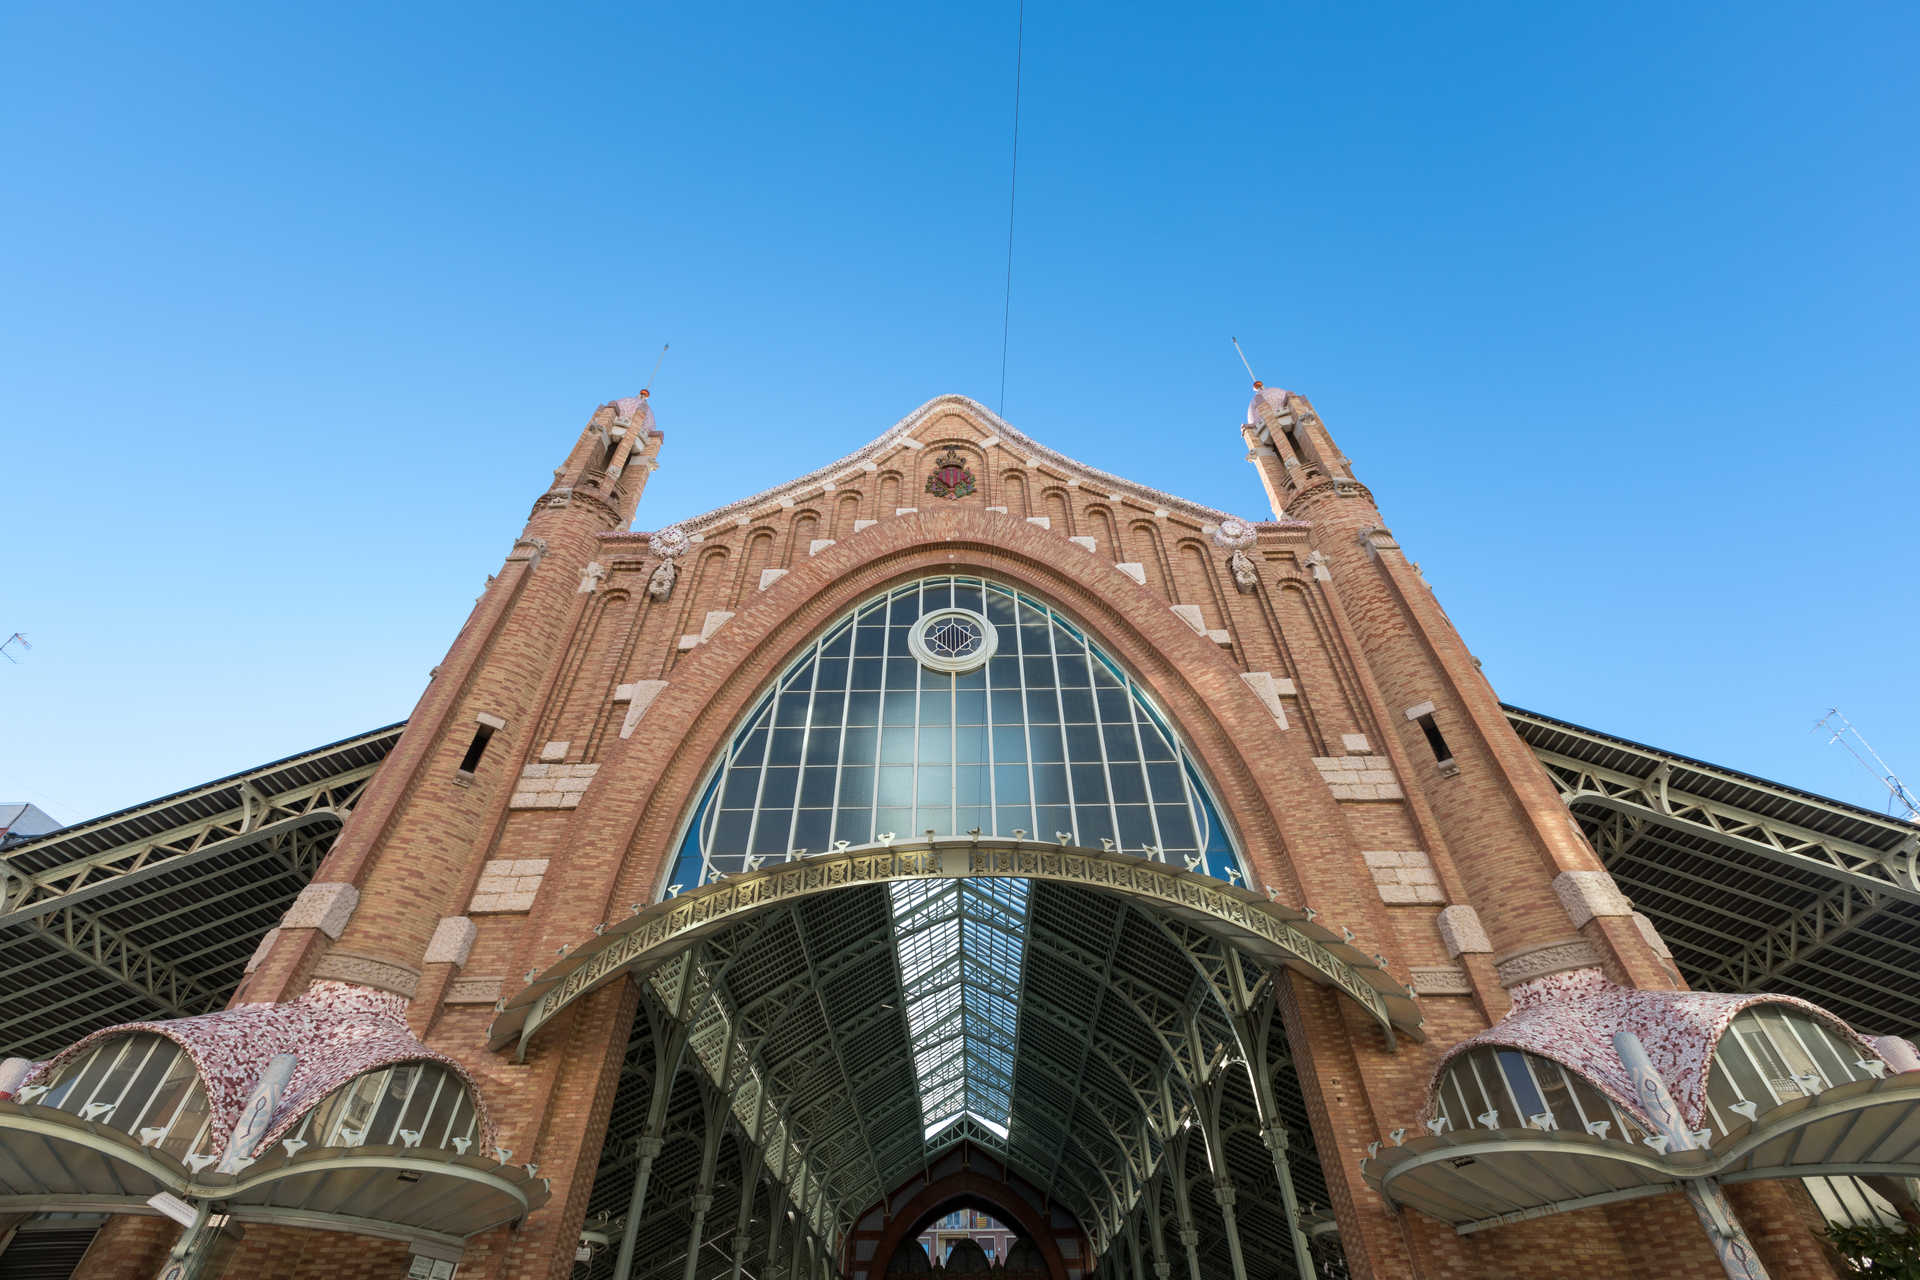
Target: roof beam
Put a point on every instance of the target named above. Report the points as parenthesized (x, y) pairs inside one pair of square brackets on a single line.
[(1581, 783)]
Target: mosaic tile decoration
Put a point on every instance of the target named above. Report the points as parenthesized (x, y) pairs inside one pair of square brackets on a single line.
[(1571, 1017)]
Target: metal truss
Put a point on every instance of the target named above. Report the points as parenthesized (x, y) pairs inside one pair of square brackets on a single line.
[(153, 911), (1132, 1029), (1754, 886), (1890, 871)]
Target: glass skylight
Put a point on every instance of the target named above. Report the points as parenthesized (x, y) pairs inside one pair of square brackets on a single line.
[(962, 946)]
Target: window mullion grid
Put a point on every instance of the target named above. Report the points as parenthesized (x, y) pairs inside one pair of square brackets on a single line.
[(986, 716), (806, 740), (846, 710), (772, 714), (1106, 763), (880, 712), (1060, 709)]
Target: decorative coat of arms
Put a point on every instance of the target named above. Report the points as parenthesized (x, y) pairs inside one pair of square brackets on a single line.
[(950, 478)]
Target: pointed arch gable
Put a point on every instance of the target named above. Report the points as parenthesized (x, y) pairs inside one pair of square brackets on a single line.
[(1199, 690), (630, 820)]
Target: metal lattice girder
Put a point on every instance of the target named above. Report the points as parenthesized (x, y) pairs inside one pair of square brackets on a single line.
[(1660, 791), (1754, 886), (153, 912)]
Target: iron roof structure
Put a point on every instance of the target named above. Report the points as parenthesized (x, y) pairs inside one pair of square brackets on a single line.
[(1754, 885), (152, 912)]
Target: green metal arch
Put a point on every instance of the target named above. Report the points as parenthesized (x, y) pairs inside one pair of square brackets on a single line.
[(1274, 933)]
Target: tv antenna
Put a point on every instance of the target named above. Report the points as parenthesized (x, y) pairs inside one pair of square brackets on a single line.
[(15, 639), (1846, 735)]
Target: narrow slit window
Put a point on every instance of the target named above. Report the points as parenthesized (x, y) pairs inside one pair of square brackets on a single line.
[(477, 748), (1441, 751)]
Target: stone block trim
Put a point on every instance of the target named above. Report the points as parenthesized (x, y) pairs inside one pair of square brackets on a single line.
[(1270, 687), (1083, 541), (770, 576), (473, 991), (716, 619), (817, 545), (1462, 933), (555, 751), (452, 940), (1360, 777), (1586, 894), (1652, 936), (260, 952), (1356, 744), (508, 885), (1540, 960), (638, 696), (1190, 614), (858, 525), (326, 907), (1441, 980), (365, 971), (1404, 878), (553, 786), (1134, 570)]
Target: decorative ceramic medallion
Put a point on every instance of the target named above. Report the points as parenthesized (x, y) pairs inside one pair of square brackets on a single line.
[(669, 542), (953, 640), (1234, 534), (950, 478)]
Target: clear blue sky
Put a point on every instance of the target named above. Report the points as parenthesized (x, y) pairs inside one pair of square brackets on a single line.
[(1613, 306)]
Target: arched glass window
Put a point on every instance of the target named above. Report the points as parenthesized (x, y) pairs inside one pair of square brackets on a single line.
[(951, 704)]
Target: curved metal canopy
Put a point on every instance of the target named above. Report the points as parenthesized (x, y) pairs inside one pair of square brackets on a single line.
[(51, 1160), (1482, 1178)]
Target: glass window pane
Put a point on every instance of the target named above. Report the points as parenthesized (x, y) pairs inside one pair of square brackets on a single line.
[(811, 829), (730, 832), (856, 787), (742, 786), (1011, 818), (1010, 782), (970, 786), (1089, 783), (816, 787), (1096, 824), (1136, 827), (1128, 783), (895, 785), (970, 744)]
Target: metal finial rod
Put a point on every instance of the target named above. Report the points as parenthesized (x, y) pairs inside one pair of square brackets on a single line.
[(656, 367), (1243, 357)]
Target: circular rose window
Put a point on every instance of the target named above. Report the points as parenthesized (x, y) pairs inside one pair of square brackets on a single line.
[(952, 640)]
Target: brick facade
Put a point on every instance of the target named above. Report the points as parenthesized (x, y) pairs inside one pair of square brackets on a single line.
[(606, 698)]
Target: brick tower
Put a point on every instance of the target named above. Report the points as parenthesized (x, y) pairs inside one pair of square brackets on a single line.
[(959, 825)]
